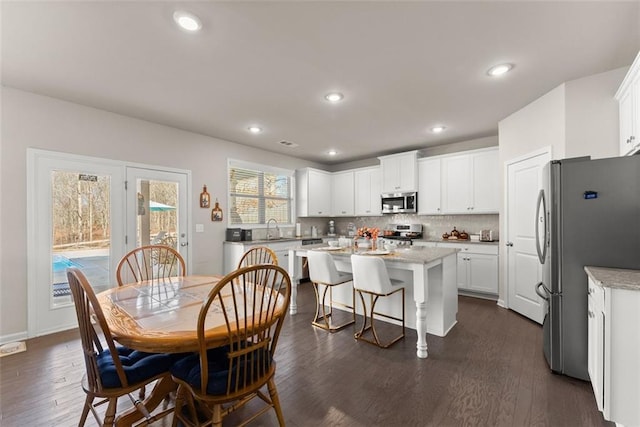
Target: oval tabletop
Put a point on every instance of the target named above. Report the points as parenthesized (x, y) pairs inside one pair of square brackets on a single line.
[(160, 316)]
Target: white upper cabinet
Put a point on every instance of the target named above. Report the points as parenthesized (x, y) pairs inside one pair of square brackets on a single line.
[(429, 186), (367, 191), (471, 182), (313, 192), (628, 97), (399, 172), (485, 183), (342, 193)]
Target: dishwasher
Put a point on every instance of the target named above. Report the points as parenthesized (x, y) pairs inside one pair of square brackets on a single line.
[(305, 265)]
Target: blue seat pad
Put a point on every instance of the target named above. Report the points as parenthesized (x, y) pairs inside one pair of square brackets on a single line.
[(188, 369), (138, 366)]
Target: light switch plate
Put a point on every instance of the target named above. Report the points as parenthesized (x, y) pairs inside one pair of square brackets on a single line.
[(199, 228)]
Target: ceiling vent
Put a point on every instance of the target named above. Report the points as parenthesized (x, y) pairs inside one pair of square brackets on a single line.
[(289, 144)]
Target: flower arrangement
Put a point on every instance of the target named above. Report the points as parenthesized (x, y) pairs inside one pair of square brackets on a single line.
[(368, 233)]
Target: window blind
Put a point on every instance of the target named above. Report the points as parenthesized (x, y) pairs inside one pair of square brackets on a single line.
[(258, 193)]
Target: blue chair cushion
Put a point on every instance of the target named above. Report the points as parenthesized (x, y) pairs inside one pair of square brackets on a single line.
[(188, 369), (138, 366)]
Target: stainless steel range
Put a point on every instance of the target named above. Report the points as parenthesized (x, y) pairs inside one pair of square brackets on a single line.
[(402, 234)]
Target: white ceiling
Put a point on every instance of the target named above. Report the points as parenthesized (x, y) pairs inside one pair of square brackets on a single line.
[(402, 66)]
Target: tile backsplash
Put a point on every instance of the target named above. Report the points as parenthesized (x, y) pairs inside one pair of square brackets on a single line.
[(433, 226)]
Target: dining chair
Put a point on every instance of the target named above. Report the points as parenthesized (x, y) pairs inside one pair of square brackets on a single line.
[(149, 262), (370, 276), (258, 255), (107, 377), (224, 379), (323, 273)]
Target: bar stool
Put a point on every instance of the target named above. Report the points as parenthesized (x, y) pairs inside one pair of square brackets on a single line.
[(370, 276), (323, 271)]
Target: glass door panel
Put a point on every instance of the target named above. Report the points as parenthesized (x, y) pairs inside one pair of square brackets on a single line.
[(157, 209), (157, 213), (81, 231)]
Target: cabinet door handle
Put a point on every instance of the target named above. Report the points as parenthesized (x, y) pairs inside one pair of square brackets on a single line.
[(591, 314), (509, 244)]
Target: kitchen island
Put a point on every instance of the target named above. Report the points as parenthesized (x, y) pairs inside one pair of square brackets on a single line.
[(430, 277), (613, 355)]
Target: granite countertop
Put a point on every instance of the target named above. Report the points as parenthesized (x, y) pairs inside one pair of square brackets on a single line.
[(415, 254), (473, 242), (263, 241), (617, 278)]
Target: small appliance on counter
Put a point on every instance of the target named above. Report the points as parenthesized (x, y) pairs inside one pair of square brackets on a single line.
[(332, 229), (246, 235), (487, 236), (234, 235)]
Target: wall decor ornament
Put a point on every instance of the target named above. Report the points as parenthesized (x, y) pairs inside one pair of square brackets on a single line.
[(216, 212), (205, 198)]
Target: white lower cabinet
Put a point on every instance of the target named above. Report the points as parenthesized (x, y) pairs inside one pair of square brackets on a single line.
[(477, 266), (595, 322), (233, 251), (614, 352)]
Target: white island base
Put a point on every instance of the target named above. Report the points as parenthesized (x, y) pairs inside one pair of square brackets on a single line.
[(430, 281)]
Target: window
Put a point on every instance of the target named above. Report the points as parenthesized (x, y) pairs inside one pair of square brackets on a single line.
[(258, 193)]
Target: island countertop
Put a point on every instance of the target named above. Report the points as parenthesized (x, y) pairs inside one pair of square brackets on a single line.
[(617, 278), (413, 255)]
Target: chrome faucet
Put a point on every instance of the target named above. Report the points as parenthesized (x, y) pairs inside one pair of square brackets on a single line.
[(269, 237)]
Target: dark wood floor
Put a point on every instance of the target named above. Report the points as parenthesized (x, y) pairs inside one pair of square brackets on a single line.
[(489, 371)]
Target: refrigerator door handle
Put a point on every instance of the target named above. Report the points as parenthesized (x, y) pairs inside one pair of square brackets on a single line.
[(545, 293), (542, 252)]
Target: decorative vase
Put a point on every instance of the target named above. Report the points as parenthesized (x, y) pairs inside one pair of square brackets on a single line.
[(364, 244)]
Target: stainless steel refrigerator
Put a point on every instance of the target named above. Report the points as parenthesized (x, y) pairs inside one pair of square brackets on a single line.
[(588, 214)]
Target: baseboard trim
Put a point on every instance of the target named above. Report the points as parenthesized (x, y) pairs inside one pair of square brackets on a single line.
[(501, 303), (19, 336)]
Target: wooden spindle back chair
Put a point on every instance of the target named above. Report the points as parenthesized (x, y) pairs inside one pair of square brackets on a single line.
[(251, 303), (150, 262), (258, 255), (106, 377)]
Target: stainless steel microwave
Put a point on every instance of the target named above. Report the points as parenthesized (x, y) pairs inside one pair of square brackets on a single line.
[(399, 203)]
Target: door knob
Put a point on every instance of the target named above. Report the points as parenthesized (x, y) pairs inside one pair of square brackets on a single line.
[(184, 244), (509, 244)]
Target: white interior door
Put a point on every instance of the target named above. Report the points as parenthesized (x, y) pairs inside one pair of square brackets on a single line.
[(158, 209), (75, 219), (524, 271)]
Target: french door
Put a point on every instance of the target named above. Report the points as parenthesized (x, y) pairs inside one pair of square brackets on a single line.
[(75, 219), (157, 209), (87, 213)]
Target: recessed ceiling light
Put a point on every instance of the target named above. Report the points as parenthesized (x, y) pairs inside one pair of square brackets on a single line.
[(255, 129), (498, 70), (437, 129), (332, 152), (187, 21), (334, 97)]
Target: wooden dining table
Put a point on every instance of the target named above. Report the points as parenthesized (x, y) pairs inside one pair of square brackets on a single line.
[(161, 316)]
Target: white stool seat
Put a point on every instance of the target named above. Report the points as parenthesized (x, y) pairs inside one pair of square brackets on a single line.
[(323, 272), (370, 276)]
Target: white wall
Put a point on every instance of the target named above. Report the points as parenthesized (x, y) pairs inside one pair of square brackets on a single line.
[(592, 119), (30, 120), (578, 118)]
